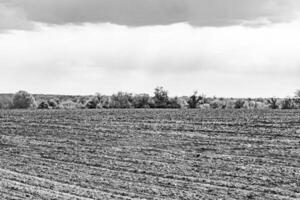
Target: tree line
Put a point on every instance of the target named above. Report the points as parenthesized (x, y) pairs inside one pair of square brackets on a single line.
[(160, 99)]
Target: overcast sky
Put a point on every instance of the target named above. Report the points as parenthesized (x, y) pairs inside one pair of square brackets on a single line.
[(238, 48)]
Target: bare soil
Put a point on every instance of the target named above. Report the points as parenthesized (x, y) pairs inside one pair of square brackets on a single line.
[(149, 154)]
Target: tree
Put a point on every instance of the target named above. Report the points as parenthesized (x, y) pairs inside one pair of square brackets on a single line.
[(142, 101), (161, 98), (194, 100), (23, 100), (273, 103)]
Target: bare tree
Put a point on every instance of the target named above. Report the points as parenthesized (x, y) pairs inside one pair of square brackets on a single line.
[(273, 103)]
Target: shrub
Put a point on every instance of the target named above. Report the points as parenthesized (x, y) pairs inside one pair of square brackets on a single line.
[(82, 100), (204, 106), (23, 100), (121, 100), (217, 104), (262, 100), (104, 102), (238, 104), (142, 101), (214, 105), (297, 103), (161, 98), (92, 103), (182, 102), (97, 101), (5, 102), (174, 103), (260, 105), (68, 104), (43, 105), (249, 104), (230, 104), (195, 100), (53, 103), (297, 94), (287, 103), (273, 103)]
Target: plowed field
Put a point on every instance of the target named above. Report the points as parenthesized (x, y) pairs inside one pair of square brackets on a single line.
[(149, 154)]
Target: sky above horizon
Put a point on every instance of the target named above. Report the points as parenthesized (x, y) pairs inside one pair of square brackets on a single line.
[(229, 48)]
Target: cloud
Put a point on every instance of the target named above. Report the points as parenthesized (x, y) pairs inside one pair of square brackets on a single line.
[(89, 58), (157, 12), (13, 18), (230, 12)]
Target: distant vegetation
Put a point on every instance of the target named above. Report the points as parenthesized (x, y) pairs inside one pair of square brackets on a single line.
[(160, 99), (23, 100), (297, 94)]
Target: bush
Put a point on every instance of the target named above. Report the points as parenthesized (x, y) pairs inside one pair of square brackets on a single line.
[(297, 94), (195, 100), (256, 105), (105, 102), (204, 106), (69, 105), (261, 105), (82, 100), (214, 105), (92, 103), (121, 100), (53, 103), (5, 102), (287, 103), (161, 98), (99, 101), (174, 103), (230, 104), (217, 104), (297, 103), (249, 104), (142, 101), (23, 100), (262, 100), (182, 102), (43, 105), (238, 104)]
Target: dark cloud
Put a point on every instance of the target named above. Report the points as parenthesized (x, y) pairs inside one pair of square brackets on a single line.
[(156, 12), (13, 18), (126, 12)]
